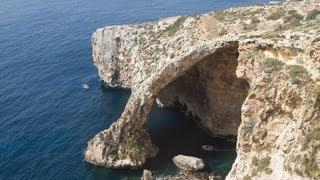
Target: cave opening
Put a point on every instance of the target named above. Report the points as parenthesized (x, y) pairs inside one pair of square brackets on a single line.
[(201, 107)]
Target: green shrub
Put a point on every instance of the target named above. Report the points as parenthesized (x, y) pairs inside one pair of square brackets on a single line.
[(276, 15), (176, 25), (262, 165), (292, 11), (255, 161), (298, 74), (132, 147), (309, 160), (313, 134), (312, 14), (290, 21), (273, 35), (250, 26), (173, 28), (310, 163), (296, 15), (247, 127), (295, 37), (225, 15), (172, 55), (231, 16), (273, 64), (223, 32), (255, 20), (149, 70)]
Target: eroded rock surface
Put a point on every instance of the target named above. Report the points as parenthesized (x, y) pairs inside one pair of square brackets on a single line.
[(188, 163), (253, 72), (147, 175)]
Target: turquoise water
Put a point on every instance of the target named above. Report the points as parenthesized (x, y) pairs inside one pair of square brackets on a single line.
[(46, 117)]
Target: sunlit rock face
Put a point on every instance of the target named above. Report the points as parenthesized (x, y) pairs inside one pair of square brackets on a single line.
[(257, 78)]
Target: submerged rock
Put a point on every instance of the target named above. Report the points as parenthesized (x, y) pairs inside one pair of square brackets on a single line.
[(188, 163), (253, 72)]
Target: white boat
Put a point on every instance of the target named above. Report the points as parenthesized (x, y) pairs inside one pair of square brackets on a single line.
[(85, 86), (207, 148)]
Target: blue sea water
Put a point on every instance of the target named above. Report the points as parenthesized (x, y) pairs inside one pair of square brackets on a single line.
[(47, 117)]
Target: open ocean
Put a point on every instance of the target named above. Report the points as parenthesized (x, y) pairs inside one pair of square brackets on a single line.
[(47, 117)]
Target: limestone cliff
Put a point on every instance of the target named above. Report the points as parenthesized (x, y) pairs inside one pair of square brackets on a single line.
[(253, 72)]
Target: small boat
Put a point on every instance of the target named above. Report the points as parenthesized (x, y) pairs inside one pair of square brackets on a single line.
[(207, 148), (85, 86)]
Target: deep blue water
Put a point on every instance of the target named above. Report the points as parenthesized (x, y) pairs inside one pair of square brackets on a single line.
[(46, 117)]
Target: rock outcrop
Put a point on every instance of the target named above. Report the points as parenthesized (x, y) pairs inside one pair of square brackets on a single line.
[(147, 175), (253, 72), (188, 163)]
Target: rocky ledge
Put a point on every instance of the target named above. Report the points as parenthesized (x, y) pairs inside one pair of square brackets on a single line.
[(251, 72)]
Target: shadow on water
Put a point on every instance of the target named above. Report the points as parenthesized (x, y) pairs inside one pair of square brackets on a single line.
[(175, 134)]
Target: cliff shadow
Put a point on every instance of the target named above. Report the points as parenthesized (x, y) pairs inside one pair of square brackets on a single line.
[(204, 107), (210, 92), (175, 133)]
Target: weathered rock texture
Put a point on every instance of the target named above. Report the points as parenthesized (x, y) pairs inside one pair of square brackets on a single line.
[(147, 175), (253, 72), (188, 163)]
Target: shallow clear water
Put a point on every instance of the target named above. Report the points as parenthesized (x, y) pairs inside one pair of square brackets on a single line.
[(46, 117)]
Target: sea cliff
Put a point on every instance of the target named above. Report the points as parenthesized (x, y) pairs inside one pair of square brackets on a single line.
[(253, 72)]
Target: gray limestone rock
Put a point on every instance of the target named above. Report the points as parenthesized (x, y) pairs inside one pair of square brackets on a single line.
[(188, 163)]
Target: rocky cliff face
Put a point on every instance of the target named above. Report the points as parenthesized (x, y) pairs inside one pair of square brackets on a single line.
[(253, 72)]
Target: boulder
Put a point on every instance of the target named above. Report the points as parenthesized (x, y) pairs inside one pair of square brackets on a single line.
[(147, 175), (188, 163)]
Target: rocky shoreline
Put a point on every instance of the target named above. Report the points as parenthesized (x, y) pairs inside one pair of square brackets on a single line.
[(253, 72)]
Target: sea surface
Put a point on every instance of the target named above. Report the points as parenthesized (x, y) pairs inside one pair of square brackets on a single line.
[(47, 115)]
